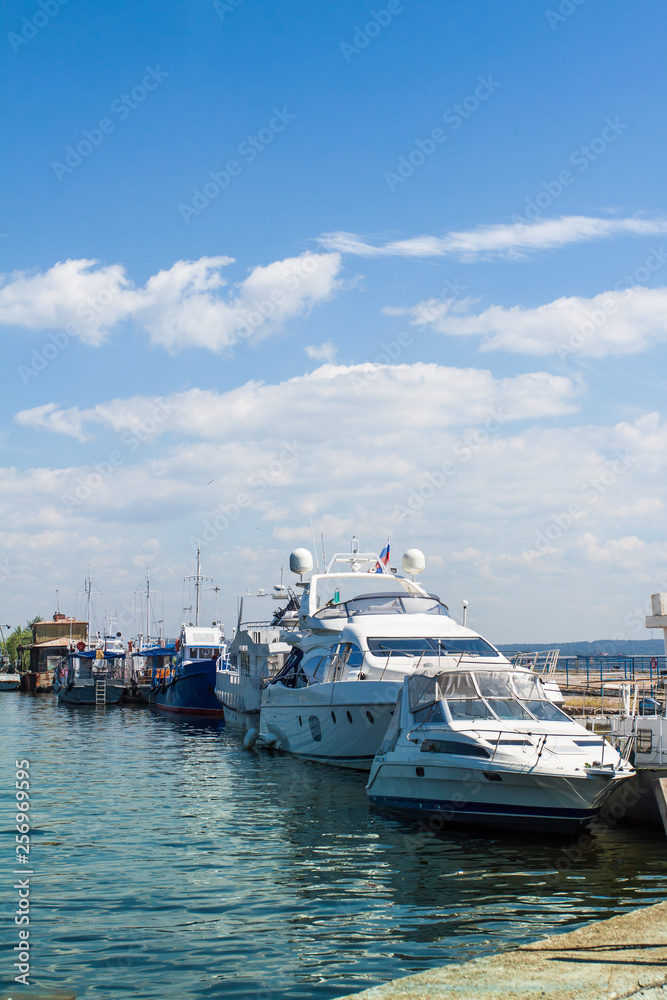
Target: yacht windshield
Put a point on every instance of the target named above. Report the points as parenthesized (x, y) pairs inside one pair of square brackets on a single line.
[(431, 646), (383, 604)]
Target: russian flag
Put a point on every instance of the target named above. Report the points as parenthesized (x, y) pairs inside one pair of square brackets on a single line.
[(383, 561)]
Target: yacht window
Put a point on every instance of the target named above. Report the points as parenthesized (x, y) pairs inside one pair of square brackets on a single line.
[(205, 654), (457, 685), (546, 711), (387, 603), (527, 686), (508, 708), (432, 713), (315, 728), (332, 611), (428, 645), (453, 746), (470, 708), (191, 654), (494, 685), (422, 691)]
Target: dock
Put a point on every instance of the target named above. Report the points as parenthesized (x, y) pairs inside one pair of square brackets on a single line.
[(616, 959)]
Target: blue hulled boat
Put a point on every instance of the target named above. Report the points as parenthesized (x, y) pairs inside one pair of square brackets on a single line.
[(186, 684)]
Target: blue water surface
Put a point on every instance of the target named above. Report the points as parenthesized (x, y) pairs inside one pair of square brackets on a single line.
[(170, 863)]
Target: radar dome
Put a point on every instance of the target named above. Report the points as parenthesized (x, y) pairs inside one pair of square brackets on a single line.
[(300, 561), (414, 562)]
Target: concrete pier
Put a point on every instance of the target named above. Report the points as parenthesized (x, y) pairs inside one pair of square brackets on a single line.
[(614, 959)]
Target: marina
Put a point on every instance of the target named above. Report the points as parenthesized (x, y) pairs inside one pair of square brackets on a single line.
[(177, 864), (241, 852)]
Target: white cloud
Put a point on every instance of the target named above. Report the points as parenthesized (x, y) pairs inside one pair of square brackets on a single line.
[(454, 461), (181, 307), (611, 323), (509, 240), (325, 352), (375, 397)]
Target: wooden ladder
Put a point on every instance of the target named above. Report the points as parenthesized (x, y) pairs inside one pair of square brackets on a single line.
[(101, 691)]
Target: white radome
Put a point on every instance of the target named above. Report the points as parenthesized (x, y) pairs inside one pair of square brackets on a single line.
[(300, 561), (414, 562)]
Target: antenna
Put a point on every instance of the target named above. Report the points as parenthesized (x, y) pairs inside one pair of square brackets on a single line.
[(324, 557), (57, 602), (198, 582), (217, 591), (312, 532)]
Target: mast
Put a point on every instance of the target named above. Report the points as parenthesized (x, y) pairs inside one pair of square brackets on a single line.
[(148, 604), (198, 582), (197, 586), (90, 593)]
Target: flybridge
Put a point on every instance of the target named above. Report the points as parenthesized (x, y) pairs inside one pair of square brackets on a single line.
[(349, 575)]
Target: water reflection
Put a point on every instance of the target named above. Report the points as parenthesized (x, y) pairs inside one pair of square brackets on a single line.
[(172, 863)]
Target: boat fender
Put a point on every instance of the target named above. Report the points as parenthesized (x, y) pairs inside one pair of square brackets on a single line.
[(250, 739), (177, 645)]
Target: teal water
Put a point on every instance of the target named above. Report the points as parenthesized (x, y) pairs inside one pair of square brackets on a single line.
[(170, 863)]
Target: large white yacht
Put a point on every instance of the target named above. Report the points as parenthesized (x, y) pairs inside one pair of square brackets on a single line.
[(485, 746), (362, 630)]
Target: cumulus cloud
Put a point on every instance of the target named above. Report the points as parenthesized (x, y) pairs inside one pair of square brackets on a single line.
[(473, 469), (186, 305), (505, 240), (377, 397), (325, 352), (611, 323)]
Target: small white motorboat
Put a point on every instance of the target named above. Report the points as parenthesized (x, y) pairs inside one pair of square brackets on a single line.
[(486, 747)]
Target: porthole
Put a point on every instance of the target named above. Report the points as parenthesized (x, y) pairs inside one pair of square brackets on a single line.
[(333, 717), (349, 717), (370, 717), (315, 728), (419, 772), (300, 722)]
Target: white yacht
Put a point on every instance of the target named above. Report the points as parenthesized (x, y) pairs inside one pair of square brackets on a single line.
[(256, 654), (362, 629), (485, 746)]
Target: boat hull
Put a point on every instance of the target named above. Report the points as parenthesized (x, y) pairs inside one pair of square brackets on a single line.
[(191, 691), (499, 798), (239, 697), (10, 682), (83, 693), (341, 723)]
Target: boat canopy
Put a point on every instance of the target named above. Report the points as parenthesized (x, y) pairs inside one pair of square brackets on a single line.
[(155, 651), (91, 654)]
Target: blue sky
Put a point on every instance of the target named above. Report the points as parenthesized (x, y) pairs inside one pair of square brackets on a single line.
[(435, 238)]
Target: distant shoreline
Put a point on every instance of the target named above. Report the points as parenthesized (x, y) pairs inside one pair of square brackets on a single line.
[(600, 647)]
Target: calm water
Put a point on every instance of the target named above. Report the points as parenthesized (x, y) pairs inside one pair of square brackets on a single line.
[(169, 862)]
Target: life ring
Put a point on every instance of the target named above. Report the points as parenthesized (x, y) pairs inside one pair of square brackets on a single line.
[(654, 663)]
